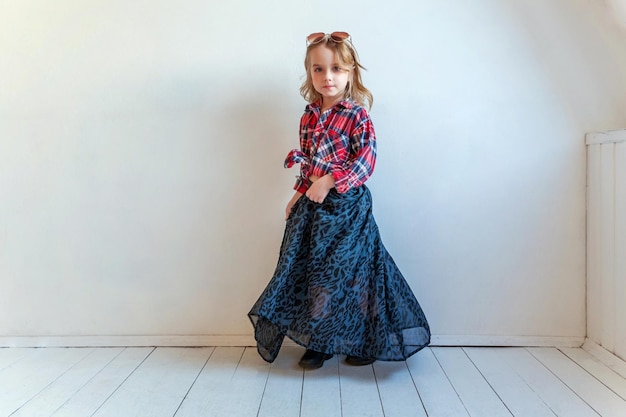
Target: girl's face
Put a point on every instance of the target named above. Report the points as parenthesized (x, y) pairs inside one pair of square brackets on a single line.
[(328, 76)]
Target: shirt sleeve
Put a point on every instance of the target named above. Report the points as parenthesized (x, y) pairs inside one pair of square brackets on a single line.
[(360, 165), (302, 185), (296, 156), (302, 182)]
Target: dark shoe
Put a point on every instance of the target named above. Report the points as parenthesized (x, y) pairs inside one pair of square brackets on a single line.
[(313, 360), (359, 361)]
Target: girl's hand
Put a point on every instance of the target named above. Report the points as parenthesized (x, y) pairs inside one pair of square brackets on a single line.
[(320, 188), (290, 204)]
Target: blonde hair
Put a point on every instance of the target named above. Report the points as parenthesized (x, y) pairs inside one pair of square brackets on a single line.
[(349, 60)]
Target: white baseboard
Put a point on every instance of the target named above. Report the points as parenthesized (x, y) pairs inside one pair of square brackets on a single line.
[(517, 341), (126, 341), (248, 340), (606, 357)]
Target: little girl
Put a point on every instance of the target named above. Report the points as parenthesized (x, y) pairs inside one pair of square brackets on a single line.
[(336, 289)]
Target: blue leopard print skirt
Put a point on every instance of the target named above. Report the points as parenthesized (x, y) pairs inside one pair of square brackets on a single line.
[(336, 289)]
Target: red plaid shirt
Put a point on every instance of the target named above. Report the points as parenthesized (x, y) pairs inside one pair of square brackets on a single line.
[(341, 142)]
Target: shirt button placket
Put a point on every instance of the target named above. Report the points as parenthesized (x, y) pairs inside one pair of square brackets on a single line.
[(318, 128), (317, 131)]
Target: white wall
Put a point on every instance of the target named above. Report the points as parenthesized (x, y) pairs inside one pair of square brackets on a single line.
[(141, 149), (618, 11)]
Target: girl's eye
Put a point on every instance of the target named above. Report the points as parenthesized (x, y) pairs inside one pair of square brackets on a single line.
[(317, 69)]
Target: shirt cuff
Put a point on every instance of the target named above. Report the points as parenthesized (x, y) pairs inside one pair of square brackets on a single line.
[(301, 185), (341, 182)]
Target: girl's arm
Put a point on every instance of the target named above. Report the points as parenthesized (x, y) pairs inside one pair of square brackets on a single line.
[(291, 202), (301, 156), (360, 166), (320, 188)]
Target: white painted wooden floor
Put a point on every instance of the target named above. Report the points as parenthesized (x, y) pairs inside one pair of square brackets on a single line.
[(235, 382)]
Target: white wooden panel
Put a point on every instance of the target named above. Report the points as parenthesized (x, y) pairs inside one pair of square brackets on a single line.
[(284, 385), (159, 386), (519, 398), (359, 394), (437, 393), (604, 401), (620, 249), (614, 136), (91, 396), (321, 393), (478, 397), (554, 392), (61, 390), (397, 391), (594, 246), (606, 244), (607, 257)]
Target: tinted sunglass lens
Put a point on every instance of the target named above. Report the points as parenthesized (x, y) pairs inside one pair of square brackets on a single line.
[(339, 36), (315, 37)]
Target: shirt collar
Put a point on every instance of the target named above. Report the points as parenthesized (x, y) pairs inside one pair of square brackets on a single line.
[(316, 105)]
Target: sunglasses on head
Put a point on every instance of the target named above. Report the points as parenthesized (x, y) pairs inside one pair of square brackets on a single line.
[(318, 37)]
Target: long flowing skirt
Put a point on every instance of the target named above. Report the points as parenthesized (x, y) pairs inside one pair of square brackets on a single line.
[(336, 289)]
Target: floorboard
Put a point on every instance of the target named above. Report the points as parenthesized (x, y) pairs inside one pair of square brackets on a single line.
[(398, 394), (518, 396), (557, 395), (248, 385), (94, 393), (359, 393), (236, 382), (283, 390), (475, 392), (600, 371), (67, 385), (10, 356), (321, 392), (209, 395), (438, 395), (31, 375), (159, 385), (604, 401), (614, 362)]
